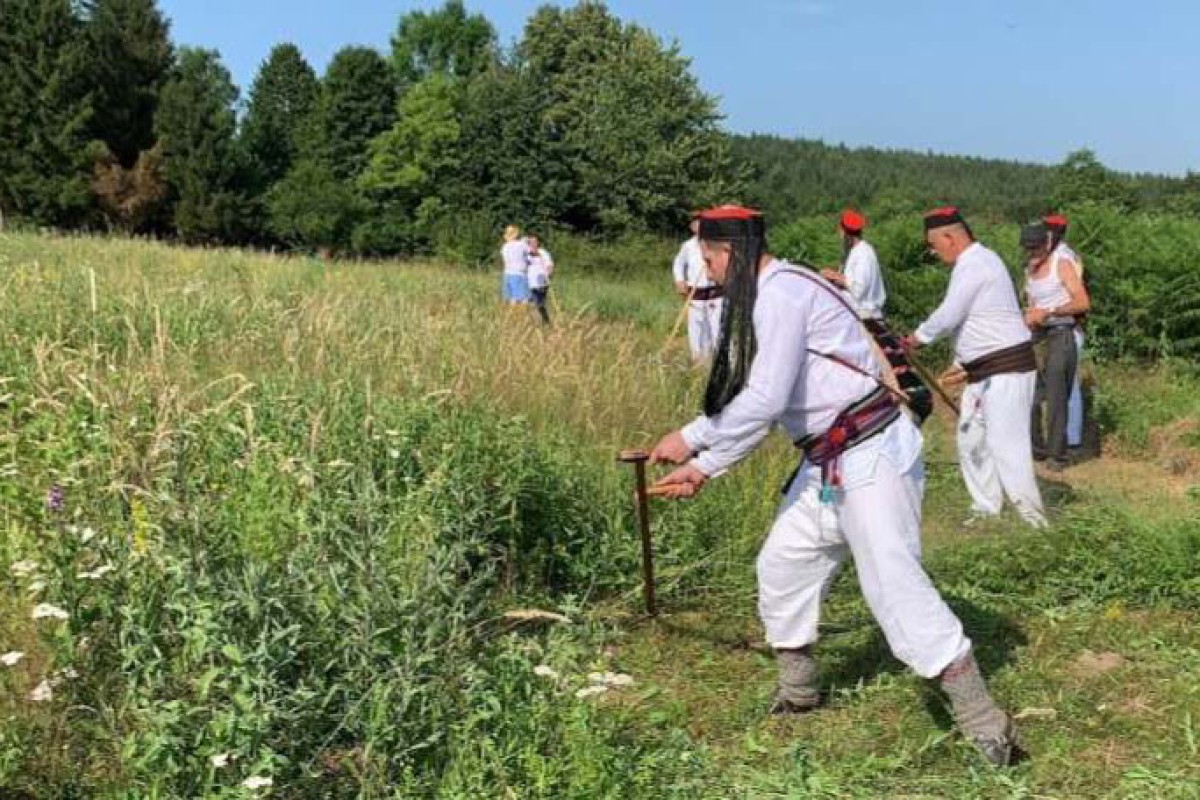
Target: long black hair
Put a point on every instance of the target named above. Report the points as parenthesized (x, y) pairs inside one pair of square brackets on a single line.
[(746, 235)]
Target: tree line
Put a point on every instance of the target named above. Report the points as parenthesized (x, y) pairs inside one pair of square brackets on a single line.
[(586, 124)]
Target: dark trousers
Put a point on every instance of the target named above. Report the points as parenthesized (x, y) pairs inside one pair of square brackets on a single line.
[(539, 300), (1056, 374)]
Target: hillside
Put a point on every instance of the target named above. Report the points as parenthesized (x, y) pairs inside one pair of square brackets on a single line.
[(799, 177)]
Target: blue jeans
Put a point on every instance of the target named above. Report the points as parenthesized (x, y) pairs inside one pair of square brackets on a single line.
[(516, 288)]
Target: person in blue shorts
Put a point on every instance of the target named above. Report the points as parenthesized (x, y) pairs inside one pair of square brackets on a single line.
[(515, 256)]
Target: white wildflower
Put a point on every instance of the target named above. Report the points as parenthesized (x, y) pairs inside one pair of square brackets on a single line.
[(66, 674), (11, 658), (256, 782), (87, 535), (393, 452), (95, 574), (37, 587), (616, 679), (219, 760), (23, 569), (47, 611), (42, 693), (545, 671), (588, 691)]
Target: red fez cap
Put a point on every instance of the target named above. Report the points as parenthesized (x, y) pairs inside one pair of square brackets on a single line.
[(731, 222), (729, 212), (852, 221), (1056, 222), (941, 217)]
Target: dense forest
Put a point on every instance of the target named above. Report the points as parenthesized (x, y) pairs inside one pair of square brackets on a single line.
[(792, 178), (587, 124)]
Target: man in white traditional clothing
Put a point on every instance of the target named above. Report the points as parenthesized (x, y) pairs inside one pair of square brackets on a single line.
[(861, 275), (995, 349), (703, 296), (792, 353)]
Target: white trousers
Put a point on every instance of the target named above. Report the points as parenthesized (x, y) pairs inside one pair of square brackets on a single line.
[(1075, 404), (995, 449), (878, 522), (704, 326)]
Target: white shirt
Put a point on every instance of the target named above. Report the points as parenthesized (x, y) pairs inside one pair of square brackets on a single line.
[(801, 391), (980, 308), (1063, 252), (864, 280), (1049, 291), (689, 265), (515, 255), (540, 264)]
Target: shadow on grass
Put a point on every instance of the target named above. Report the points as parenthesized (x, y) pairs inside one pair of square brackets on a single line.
[(853, 651), (995, 637), (1056, 494)]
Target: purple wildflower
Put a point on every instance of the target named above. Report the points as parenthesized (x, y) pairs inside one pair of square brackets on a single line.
[(55, 500)]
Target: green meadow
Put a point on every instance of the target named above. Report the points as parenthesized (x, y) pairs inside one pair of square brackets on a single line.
[(358, 531)]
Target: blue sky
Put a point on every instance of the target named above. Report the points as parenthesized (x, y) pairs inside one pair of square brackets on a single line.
[(1018, 79)]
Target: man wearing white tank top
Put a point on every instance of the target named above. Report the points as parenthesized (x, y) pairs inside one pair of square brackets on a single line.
[(1055, 294), (994, 348)]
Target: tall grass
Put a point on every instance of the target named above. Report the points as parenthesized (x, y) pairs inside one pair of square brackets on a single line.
[(286, 505)]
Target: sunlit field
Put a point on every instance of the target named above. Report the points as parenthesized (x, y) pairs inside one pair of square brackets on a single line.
[(280, 527)]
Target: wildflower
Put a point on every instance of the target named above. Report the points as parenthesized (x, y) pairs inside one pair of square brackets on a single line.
[(256, 782), (55, 499), (66, 674), (393, 452), (11, 658), (589, 691), (23, 569), (37, 587), (86, 535), (544, 671), (219, 760), (47, 611), (610, 678), (95, 574), (42, 693)]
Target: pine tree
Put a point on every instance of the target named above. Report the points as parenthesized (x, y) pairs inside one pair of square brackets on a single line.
[(356, 104), (282, 98), (196, 125), (624, 116), (130, 57), (46, 110)]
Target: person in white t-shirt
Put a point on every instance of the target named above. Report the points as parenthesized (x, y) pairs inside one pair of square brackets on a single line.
[(793, 355), (514, 255), (861, 275), (541, 267)]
